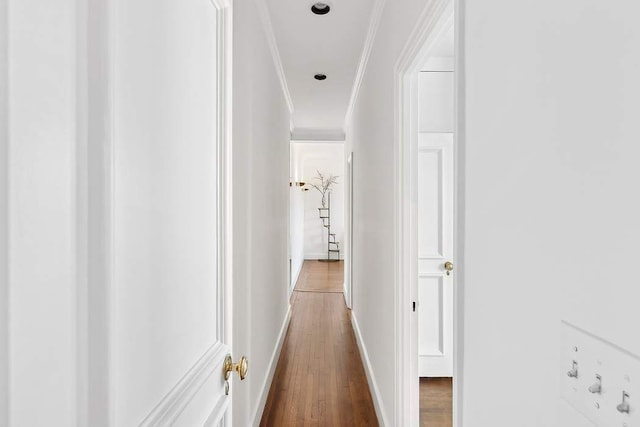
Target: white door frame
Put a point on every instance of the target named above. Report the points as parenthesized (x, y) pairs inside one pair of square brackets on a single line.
[(348, 255), (4, 214), (225, 183), (96, 314), (435, 20), (225, 174)]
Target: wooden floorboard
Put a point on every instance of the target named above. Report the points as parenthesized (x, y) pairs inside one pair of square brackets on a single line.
[(436, 409), (318, 276), (319, 380)]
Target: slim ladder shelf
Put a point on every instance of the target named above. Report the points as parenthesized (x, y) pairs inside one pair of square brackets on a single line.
[(333, 247)]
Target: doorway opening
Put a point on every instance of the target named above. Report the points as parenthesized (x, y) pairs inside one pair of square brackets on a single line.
[(320, 376), (317, 207), (428, 332), (433, 163)]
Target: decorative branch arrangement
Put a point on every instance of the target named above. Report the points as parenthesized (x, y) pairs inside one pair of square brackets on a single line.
[(324, 187)]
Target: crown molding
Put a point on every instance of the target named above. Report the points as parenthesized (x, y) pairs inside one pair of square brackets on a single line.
[(265, 18), (374, 24)]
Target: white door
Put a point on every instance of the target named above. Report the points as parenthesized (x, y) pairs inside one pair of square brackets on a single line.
[(435, 168), (168, 304), (435, 248)]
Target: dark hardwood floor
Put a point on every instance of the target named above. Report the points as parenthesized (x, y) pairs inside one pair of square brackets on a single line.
[(319, 380), (436, 409)]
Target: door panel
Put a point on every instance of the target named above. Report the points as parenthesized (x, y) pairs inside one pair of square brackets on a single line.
[(430, 295), (431, 205), (167, 342), (435, 247)]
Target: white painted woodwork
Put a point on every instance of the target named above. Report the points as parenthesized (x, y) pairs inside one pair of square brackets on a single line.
[(41, 212), (439, 63), (436, 101), (107, 212), (431, 207), (435, 247), (167, 289), (434, 187), (4, 194), (114, 159)]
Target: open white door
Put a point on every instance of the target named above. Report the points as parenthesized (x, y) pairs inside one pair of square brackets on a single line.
[(167, 301), (435, 172), (435, 232)]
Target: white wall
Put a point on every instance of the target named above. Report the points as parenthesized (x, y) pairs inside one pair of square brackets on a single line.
[(328, 158), (551, 182), (3, 217), (164, 205), (551, 170), (261, 204), (370, 135)]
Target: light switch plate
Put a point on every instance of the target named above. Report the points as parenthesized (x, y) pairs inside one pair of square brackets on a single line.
[(618, 368)]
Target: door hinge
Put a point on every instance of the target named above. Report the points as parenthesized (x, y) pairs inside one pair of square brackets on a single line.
[(414, 306)]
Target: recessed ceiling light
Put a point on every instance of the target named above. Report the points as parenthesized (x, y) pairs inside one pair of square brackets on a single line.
[(320, 77), (320, 8)]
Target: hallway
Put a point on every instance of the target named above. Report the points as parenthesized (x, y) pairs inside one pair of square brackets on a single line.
[(319, 379)]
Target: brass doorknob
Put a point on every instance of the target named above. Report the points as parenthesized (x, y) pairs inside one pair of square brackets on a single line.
[(448, 266), (241, 367)]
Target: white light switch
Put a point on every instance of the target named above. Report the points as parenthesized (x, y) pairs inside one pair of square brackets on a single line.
[(600, 379)]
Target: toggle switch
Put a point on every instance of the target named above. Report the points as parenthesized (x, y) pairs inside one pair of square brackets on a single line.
[(624, 406), (592, 385), (596, 387)]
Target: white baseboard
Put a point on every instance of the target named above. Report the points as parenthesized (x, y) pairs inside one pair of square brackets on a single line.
[(296, 276), (345, 293), (373, 386), (266, 385)]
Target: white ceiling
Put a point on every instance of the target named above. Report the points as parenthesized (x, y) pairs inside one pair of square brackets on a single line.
[(331, 44)]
